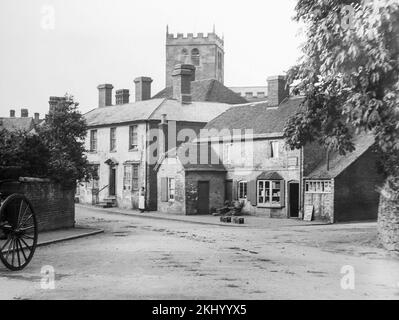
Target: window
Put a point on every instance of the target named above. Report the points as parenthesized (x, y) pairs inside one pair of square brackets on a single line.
[(195, 57), (260, 94), (318, 186), (242, 190), (269, 192), (133, 139), (127, 177), (227, 153), (171, 189), (112, 135), (135, 177), (274, 149), (184, 56), (93, 140)]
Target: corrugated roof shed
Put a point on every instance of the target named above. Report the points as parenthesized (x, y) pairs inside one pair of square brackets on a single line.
[(17, 124), (338, 163), (207, 90), (259, 117)]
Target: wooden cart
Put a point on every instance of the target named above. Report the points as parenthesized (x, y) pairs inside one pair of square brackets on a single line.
[(18, 229)]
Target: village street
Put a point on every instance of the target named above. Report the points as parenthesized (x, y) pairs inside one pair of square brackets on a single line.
[(141, 258)]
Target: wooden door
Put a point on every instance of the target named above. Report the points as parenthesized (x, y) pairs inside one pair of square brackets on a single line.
[(203, 197), (112, 182)]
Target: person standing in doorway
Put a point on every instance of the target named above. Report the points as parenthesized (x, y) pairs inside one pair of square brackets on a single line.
[(142, 200)]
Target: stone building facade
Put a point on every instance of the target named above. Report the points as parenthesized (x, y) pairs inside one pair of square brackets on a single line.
[(123, 138), (274, 181), (205, 52)]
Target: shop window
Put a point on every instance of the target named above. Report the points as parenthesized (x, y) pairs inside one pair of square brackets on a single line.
[(270, 192)]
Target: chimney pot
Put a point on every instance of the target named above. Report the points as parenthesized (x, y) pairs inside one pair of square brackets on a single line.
[(122, 96), (37, 117), (182, 76), (277, 90), (12, 113), (143, 88), (105, 95), (24, 113)]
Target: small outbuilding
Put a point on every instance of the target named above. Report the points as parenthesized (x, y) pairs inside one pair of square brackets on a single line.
[(345, 187), (189, 189)]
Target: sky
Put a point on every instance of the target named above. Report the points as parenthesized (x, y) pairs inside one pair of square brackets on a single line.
[(52, 47)]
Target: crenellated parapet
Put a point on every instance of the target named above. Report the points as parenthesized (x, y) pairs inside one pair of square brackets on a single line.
[(191, 38)]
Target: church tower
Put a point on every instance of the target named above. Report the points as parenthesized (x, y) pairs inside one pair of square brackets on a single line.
[(206, 53)]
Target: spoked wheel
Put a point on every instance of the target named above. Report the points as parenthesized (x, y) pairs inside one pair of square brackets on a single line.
[(18, 231)]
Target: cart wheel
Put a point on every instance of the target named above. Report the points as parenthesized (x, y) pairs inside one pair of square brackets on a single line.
[(19, 227)]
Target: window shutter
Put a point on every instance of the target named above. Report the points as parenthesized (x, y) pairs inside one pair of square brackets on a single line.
[(282, 193), (252, 192), (164, 189), (235, 190)]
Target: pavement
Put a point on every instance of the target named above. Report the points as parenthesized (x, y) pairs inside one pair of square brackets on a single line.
[(50, 237), (250, 221)]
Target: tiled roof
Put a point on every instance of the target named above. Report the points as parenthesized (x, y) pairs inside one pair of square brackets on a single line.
[(17, 124), (338, 163), (258, 116), (207, 90), (269, 175), (153, 110)]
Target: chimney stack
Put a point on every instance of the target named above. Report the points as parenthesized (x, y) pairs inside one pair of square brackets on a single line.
[(37, 117), (105, 95), (24, 113), (277, 90), (182, 76), (143, 88), (122, 96), (53, 102), (12, 113)]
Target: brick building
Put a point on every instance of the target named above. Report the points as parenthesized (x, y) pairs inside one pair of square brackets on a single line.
[(123, 138), (269, 178)]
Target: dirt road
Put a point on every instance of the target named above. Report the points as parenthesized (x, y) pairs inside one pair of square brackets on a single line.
[(140, 258)]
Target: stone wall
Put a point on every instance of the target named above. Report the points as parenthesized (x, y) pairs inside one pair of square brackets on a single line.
[(216, 190), (388, 219), (54, 206)]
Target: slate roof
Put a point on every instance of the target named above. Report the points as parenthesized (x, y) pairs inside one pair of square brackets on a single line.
[(338, 163), (17, 124), (153, 110), (207, 90), (173, 153), (257, 116)]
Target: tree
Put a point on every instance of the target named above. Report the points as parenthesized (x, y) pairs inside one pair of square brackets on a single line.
[(64, 132), (349, 74), (55, 151)]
